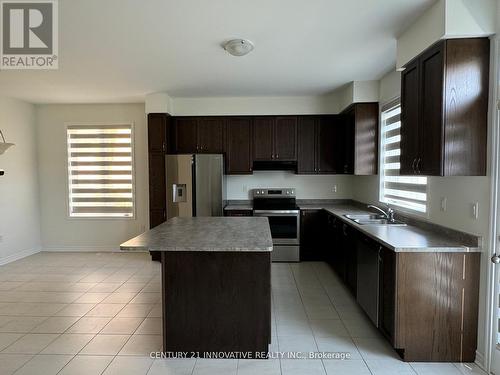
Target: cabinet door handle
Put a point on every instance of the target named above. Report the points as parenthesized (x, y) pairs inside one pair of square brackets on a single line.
[(277, 156), (418, 165), (344, 229), (413, 165)]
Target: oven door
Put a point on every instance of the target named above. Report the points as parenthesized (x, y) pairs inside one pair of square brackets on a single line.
[(284, 224)]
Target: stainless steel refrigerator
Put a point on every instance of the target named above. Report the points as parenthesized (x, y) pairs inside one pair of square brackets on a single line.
[(195, 185)]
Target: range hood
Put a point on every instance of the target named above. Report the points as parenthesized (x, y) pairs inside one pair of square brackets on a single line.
[(275, 165)]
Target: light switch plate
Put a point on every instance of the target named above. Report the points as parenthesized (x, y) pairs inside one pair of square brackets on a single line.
[(475, 210), (444, 201)]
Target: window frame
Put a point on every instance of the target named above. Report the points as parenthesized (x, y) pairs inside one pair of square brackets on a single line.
[(133, 163), (383, 108)]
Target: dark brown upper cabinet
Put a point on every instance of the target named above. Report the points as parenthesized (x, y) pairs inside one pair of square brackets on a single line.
[(275, 138), (306, 144), (315, 146), (326, 153), (444, 109), (199, 135), (238, 145), (186, 135), (211, 135), (359, 139)]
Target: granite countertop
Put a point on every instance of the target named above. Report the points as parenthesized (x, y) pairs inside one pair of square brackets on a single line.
[(409, 238), (205, 234)]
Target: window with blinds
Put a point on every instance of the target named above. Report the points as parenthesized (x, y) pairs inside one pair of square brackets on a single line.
[(100, 171), (409, 192)]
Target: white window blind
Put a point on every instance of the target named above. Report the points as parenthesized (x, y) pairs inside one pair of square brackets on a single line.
[(100, 170), (409, 192)]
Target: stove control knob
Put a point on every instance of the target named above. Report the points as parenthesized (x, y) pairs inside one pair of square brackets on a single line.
[(257, 192), (288, 192)]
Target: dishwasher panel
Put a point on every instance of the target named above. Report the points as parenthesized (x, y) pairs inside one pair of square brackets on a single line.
[(368, 277)]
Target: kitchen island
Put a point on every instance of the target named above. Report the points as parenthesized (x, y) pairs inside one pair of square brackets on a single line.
[(216, 283)]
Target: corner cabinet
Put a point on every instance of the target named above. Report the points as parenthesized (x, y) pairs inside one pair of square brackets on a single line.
[(444, 109), (359, 139)]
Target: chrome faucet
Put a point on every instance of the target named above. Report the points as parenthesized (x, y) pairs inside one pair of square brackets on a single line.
[(389, 214)]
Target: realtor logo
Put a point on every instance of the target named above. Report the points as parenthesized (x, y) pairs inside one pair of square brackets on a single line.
[(28, 34)]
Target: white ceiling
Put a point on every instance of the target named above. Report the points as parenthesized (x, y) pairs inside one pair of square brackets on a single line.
[(121, 50)]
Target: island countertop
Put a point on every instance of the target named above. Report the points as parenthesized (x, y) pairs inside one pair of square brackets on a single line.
[(205, 234)]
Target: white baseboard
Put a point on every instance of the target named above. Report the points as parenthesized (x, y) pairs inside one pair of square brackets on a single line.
[(480, 361), (83, 248), (19, 255)]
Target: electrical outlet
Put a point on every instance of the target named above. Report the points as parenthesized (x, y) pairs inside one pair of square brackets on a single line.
[(475, 210), (334, 188), (443, 204)]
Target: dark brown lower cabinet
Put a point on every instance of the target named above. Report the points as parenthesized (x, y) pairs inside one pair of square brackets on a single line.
[(427, 301), (216, 302), (435, 306), (242, 212)]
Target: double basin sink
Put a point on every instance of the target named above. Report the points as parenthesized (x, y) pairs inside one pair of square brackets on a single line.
[(373, 219)]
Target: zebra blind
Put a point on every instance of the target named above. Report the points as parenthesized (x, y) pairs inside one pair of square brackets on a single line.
[(100, 171), (409, 192)]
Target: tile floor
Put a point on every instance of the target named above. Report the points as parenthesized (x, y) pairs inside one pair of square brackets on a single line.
[(99, 313)]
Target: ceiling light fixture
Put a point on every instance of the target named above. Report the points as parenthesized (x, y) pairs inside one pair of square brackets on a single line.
[(4, 145), (238, 47)]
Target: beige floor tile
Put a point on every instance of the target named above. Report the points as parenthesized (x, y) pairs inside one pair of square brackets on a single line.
[(7, 339), (68, 344), (32, 343), (156, 312), (76, 309), (44, 364), (135, 310), (131, 287), (147, 298), (91, 324), (90, 297), (142, 345), (124, 326), (105, 287), (55, 324), (105, 345), (9, 363), (150, 326), (106, 309), (172, 366), (119, 297), (86, 365), (21, 324), (129, 366)]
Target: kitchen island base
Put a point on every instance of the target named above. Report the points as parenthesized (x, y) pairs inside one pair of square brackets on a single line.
[(216, 302)]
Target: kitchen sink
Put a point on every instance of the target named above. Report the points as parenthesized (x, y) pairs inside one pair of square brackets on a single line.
[(373, 219)]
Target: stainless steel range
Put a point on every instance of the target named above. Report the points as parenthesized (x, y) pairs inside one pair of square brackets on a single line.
[(280, 207)]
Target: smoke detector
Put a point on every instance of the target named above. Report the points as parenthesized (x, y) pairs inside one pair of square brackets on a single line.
[(238, 47)]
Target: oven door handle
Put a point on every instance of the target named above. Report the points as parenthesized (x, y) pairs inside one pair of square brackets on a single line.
[(275, 212)]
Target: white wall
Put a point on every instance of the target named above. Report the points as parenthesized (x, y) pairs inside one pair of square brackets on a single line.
[(19, 203), (446, 19), (59, 232), (293, 105), (307, 187)]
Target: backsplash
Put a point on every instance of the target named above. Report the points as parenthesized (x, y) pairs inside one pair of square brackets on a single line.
[(307, 186)]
